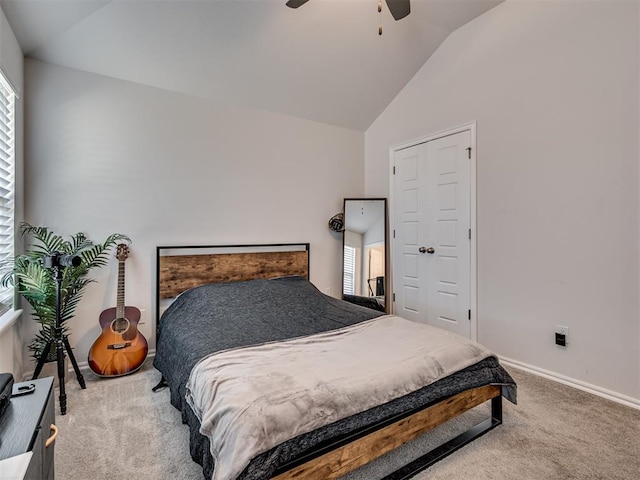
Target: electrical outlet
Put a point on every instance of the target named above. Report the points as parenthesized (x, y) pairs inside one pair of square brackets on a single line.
[(561, 335)]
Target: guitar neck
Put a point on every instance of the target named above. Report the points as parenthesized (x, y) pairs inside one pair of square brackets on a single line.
[(120, 298)]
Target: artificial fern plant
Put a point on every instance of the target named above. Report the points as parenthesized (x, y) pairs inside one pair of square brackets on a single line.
[(37, 285)]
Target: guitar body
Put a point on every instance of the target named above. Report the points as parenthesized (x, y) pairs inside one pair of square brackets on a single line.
[(120, 349)]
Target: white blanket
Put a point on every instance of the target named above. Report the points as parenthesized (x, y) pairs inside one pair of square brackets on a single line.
[(251, 399)]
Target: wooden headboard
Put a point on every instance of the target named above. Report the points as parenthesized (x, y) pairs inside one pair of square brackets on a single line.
[(179, 268)]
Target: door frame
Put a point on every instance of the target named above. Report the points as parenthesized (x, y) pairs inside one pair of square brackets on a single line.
[(473, 259)]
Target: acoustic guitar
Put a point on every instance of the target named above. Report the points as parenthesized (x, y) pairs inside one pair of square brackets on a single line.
[(120, 349)]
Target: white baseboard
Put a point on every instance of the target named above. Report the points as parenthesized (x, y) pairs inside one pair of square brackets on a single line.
[(572, 382)]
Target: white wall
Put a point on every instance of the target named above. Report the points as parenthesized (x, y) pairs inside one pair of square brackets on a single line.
[(11, 63), (553, 87), (376, 233), (105, 156)]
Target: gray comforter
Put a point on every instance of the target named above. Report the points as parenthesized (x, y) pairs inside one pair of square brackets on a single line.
[(212, 318)]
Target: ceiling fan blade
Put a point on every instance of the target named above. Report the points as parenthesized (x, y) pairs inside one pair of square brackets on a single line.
[(296, 3), (398, 8)]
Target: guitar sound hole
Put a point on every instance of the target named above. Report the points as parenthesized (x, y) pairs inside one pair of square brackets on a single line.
[(120, 325)]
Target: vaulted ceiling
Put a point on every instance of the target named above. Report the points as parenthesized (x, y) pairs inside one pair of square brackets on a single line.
[(323, 61)]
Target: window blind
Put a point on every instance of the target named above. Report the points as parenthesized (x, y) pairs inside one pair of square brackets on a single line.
[(349, 281), (7, 185)]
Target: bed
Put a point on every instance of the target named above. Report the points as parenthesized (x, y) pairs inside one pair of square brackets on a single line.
[(228, 297)]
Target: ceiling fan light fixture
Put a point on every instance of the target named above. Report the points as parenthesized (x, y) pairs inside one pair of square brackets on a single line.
[(398, 8)]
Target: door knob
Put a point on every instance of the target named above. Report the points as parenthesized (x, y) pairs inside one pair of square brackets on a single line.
[(427, 250)]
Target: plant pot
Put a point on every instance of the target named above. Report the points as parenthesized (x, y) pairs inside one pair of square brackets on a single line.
[(50, 369)]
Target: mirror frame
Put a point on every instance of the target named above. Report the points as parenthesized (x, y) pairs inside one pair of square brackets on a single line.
[(387, 296)]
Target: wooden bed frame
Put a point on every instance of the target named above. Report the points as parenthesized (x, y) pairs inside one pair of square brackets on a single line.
[(182, 267)]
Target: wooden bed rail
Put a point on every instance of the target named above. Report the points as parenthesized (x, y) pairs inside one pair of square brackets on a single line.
[(345, 458)]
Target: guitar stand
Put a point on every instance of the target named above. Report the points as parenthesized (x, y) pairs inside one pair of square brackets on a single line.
[(62, 344)]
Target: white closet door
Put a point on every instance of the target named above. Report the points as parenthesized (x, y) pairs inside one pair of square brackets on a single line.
[(432, 249)]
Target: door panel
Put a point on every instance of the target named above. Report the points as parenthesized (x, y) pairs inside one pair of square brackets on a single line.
[(406, 212), (448, 269)]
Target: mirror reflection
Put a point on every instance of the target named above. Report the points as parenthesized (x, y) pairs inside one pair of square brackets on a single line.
[(365, 253)]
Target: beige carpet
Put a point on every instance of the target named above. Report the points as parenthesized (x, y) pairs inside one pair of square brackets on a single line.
[(118, 429)]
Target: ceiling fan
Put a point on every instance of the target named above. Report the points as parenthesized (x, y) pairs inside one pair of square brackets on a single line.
[(398, 8)]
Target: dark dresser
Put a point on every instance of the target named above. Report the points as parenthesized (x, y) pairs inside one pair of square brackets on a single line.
[(29, 425)]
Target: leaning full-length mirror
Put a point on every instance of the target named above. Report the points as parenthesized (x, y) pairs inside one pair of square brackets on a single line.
[(365, 256)]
